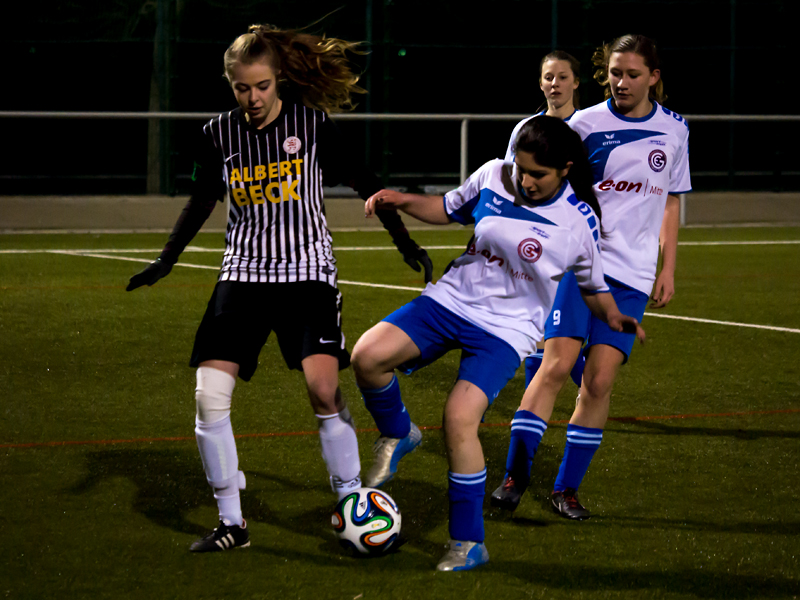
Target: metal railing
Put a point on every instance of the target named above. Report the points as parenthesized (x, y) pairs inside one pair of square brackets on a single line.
[(464, 120)]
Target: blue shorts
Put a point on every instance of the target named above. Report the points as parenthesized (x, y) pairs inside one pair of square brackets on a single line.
[(486, 361), (571, 317)]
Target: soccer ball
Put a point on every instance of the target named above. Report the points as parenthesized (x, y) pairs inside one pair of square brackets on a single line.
[(367, 520)]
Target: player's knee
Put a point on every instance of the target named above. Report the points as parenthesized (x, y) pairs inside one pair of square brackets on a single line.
[(213, 394), (323, 396), (555, 370), (597, 387), (365, 365), (461, 422)]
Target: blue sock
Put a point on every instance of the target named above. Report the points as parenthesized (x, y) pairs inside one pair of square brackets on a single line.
[(532, 364), (582, 443), (577, 369), (387, 409), (526, 432), (466, 494)]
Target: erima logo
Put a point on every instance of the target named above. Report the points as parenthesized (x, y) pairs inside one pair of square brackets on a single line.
[(496, 201), (609, 137)]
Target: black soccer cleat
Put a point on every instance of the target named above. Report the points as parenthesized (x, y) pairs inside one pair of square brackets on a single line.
[(566, 504), (508, 495), (224, 537)]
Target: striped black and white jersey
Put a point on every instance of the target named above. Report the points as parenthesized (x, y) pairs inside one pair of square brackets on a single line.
[(277, 230)]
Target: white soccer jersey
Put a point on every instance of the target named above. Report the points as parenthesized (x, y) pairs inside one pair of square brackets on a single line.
[(506, 281), (635, 164)]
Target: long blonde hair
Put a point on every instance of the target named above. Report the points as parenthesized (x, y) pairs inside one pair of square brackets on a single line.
[(638, 44), (313, 69)]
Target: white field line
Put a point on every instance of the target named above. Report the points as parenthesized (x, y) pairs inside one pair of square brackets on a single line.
[(201, 249), (354, 248), (728, 323), (95, 254)]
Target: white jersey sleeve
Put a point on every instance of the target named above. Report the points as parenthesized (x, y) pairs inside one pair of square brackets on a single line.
[(460, 202)]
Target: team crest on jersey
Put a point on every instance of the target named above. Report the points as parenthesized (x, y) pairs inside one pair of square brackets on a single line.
[(657, 160), (292, 145), (530, 250)]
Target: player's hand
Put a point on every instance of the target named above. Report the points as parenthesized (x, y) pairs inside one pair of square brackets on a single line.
[(415, 257), (385, 199), (626, 324), (152, 273), (663, 290)]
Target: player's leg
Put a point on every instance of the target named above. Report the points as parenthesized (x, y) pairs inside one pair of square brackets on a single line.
[(466, 479), (487, 365), (375, 356), (337, 431), (310, 338), (530, 420), (566, 327), (607, 351), (585, 429), (225, 347)]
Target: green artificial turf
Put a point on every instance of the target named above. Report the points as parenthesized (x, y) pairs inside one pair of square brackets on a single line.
[(694, 491)]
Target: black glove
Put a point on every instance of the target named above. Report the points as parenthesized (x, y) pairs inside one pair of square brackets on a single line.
[(154, 271), (414, 256)]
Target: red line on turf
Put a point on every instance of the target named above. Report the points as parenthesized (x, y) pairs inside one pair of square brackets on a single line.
[(299, 433)]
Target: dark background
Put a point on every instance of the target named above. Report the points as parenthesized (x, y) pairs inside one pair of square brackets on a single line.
[(719, 57)]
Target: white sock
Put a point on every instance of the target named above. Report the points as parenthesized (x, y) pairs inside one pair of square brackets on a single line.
[(228, 501), (337, 434), (216, 442)]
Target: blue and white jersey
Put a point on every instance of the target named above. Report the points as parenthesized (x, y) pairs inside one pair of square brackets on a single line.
[(510, 151), (635, 163), (506, 281)]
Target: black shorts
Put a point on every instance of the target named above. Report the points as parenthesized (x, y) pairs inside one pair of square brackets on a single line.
[(306, 316)]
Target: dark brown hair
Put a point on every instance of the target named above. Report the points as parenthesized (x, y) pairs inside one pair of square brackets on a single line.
[(638, 44), (314, 69), (553, 144)]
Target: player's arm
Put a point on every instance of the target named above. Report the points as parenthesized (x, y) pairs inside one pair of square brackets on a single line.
[(428, 209), (340, 165), (664, 287), (604, 307), (207, 190)]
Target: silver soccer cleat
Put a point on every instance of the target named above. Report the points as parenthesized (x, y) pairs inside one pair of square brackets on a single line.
[(463, 556), (388, 452)]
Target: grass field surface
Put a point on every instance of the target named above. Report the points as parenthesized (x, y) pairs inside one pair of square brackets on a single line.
[(694, 491)]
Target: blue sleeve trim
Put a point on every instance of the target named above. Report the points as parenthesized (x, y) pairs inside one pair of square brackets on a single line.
[(689, 191)]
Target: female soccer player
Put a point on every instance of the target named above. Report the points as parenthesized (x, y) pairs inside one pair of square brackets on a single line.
[(271, 156), (533, 222), (559, 77), (639, 154)]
